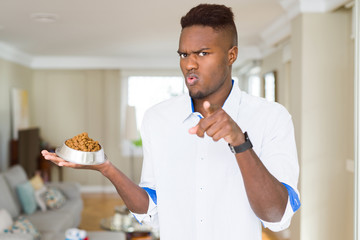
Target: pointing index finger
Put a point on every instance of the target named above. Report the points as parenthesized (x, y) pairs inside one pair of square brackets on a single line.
[(210, 108)]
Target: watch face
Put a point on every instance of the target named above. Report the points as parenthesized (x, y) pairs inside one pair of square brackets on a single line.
[(246, 136), (231, 148)]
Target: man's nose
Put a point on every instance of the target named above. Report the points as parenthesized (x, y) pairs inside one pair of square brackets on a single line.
[(191, 62)]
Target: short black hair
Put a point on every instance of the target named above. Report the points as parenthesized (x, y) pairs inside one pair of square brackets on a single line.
[(219, 17)]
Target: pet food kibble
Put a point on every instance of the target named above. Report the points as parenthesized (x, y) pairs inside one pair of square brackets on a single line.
[(82, 142)]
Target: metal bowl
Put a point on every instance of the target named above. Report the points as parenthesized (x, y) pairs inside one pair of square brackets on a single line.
[(80, 157)]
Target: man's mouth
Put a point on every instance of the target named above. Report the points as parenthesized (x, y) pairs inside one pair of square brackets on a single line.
[(191, 79)]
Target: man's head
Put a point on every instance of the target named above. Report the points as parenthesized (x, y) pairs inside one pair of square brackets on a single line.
[(219, 17), (207, 49)]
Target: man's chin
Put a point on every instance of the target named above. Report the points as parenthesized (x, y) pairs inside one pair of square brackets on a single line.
[(197, 95)]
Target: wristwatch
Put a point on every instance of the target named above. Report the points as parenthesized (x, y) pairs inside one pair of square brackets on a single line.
[(242, 147)]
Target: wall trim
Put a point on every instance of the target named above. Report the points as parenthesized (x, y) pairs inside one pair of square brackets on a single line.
[(77, 62), (14, 55), (276, 32), (291, 7), (357, 123), (321, 5)]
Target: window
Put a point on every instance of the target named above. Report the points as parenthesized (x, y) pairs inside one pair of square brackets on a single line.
[(270, 86), (146, 91), (254, 87), (252, 80)]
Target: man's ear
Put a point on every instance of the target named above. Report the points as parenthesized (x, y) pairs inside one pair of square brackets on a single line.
[(232, 54)]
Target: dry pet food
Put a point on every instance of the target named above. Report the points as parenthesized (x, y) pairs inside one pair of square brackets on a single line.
[(82, 142)]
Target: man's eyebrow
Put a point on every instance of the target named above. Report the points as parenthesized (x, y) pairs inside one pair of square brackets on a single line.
[(197, 51), (201, 50)]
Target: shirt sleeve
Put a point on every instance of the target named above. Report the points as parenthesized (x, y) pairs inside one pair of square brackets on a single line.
[(147, 181), (292, 206), (279, 155), (151, 216)]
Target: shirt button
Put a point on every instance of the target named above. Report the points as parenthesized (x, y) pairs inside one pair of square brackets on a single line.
[(201, 158)]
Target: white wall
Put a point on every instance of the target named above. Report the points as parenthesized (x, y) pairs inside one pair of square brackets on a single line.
[(69, 102), (12, 75), (316, 86), (322, 107), (275, 62)]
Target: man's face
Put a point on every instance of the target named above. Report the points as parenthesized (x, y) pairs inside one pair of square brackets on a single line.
[(205, 60)]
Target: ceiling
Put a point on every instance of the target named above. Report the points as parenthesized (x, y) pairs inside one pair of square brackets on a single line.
[(131, 34)]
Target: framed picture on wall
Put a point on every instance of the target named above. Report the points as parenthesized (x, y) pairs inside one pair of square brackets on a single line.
[(270, 86), (20, 111)]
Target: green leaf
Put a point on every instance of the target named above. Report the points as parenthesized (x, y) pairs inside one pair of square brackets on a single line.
[(138, 142)]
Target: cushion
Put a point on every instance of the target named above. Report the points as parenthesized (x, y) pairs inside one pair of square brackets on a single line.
[(5, 220), (37, 182), (39, 200), (52, 221), (23, 225), (27, 197), (14, 176), (53, 198), (7, 200)]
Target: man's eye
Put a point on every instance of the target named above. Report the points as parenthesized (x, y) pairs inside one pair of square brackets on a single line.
[(201, 54), (183, 55)]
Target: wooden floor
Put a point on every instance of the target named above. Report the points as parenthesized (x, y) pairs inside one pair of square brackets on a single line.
[(98, 206)]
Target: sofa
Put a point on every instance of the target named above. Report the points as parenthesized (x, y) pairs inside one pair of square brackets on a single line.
[(52, 223), (49, 223)]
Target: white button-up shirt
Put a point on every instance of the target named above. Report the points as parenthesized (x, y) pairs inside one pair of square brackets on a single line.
[(195, 186)]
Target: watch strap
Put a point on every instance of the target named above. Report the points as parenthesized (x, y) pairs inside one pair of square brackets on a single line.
[(242, 147)]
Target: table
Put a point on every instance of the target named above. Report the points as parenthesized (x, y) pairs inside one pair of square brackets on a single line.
[(95, 235), (132, 229)]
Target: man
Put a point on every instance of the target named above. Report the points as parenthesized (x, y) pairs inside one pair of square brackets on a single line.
[(219, 162)]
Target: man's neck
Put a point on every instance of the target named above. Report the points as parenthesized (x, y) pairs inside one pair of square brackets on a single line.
[(217, 98)]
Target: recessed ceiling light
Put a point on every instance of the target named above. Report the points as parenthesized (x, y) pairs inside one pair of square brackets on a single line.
[(44, 17)]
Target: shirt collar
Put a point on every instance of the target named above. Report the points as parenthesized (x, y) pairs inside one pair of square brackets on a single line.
[(234, 99), (232, 103)]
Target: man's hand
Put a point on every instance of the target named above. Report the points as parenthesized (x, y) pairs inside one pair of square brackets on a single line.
[(218, 124), (61, 162), (135, 198)]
